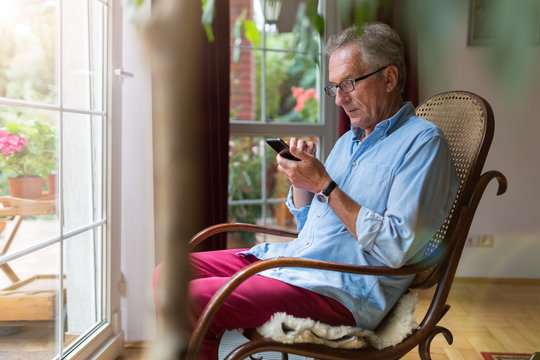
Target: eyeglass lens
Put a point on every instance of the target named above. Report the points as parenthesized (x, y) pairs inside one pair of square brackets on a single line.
[(348, 85)]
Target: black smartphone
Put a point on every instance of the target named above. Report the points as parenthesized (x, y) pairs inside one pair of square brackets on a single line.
[(281, 148)]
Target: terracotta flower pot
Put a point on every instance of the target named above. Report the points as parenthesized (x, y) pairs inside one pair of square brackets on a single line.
[(26, 187), (51, 185)]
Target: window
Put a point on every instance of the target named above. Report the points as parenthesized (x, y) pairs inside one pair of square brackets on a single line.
[(54, 111), (275, 92)]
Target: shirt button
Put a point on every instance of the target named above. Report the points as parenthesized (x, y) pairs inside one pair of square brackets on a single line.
[(353, 164), (318, 215), (306, 243)]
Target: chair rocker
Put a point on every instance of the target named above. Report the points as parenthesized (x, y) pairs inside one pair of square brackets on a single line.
[(468, 124)]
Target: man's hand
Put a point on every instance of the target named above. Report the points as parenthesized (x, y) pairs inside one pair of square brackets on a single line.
[(308, 175)]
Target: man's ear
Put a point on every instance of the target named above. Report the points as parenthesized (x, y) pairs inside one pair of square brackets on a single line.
[(391, 74)]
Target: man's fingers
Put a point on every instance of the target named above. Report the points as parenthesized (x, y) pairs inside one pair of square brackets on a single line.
[(298, 152)]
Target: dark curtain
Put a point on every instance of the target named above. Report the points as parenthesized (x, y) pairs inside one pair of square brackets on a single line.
[(213, 90), (396, 16)]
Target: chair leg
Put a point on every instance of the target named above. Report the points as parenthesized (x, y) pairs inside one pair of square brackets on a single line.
[(424, 346), (10, 273), (284, 356)]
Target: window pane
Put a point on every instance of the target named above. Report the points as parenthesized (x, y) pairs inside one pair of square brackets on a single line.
[(31, 301), (28, 142), (290, 41), (278, 215), (248, 213), (244, 9), (245, 98), (292, 93), (277, 184), (245, 167), (82, 170), (27, 54), (28, 165), (83, 281), (31, 230), (83, 65)]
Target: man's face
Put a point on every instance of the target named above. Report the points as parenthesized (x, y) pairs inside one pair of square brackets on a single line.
[(370, 102)]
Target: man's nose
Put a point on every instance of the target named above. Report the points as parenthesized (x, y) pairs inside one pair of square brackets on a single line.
[(341, 97)]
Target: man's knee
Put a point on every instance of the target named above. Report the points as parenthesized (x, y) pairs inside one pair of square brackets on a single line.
[(201, 290)]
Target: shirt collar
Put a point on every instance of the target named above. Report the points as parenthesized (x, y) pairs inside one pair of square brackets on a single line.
[(389, 124)]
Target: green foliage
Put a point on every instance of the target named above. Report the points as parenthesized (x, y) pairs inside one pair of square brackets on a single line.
[(27, 54), (250, 30), (245, 171), (245, 167), (38, 158), (308, 22), (250, 159), (208, 14), (282, 73)]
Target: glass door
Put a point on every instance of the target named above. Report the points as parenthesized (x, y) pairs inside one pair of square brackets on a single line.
[(53, 121)]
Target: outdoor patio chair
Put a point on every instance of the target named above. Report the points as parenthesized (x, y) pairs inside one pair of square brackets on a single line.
[(467, 122)]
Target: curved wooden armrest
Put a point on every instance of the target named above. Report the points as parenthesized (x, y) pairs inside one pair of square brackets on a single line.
[(483, 182), (228, 227), (219, 297)]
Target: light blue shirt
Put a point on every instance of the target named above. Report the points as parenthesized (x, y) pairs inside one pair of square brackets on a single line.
[(403, 178)]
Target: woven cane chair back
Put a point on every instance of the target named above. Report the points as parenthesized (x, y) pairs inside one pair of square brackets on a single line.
[(463, 117)]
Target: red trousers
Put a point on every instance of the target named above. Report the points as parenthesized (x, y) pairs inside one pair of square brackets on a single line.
[(254, 301)]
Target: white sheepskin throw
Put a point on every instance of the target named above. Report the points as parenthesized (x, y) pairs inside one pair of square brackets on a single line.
[(399, 323)]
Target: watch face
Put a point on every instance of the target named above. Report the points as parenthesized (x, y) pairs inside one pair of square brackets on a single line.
[(322, 198)]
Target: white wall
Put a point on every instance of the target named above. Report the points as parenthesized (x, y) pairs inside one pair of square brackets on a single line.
[(447, 63), (137, 237)]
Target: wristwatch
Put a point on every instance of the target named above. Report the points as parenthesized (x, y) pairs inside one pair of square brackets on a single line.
[(324, 195)]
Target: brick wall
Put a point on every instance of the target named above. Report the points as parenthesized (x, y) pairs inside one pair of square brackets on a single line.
[(242, 100)]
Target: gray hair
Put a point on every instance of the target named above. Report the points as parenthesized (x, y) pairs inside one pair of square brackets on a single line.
[(379, 45)]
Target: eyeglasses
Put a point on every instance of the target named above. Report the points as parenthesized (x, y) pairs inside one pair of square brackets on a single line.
[(348, 85)]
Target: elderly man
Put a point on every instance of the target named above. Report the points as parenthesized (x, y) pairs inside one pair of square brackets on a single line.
[(385, 189)]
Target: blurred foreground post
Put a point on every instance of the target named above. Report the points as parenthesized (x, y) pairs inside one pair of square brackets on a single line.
[(174, 47)]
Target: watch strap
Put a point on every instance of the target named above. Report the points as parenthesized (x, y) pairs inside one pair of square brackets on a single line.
[(329, 188)]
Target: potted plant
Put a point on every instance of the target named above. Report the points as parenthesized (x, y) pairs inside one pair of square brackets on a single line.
[(29, 156)]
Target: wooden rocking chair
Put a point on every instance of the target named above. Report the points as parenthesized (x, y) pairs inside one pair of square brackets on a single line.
[(467, 122)]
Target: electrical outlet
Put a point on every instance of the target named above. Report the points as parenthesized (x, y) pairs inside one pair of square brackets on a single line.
[(479, 240), (471, 241), (485, 240)]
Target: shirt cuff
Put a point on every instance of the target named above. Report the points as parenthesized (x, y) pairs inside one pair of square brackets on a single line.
[(368, 225), (300, 214)]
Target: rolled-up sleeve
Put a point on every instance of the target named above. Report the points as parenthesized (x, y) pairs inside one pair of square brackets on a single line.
[(368, 225), (421, 194), (300, 214)]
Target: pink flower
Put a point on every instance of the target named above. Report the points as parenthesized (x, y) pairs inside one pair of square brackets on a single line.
[(11, 143), (297, 91), (310, 93), (299, 104), (303, 96)]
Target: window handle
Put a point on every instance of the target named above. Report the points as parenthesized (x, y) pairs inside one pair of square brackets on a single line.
[(121, 72)]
